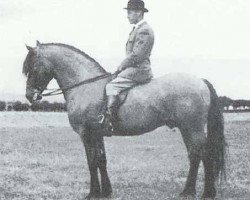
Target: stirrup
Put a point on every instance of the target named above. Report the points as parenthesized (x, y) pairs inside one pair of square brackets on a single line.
[(101, 118)]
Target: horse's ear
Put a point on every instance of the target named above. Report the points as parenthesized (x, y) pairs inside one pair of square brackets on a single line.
[(38, 43), (29, 48)]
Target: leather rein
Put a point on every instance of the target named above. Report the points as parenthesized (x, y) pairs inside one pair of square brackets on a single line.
[(60, 90)]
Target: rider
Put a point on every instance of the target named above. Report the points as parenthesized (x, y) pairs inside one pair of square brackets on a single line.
[(135, 68)]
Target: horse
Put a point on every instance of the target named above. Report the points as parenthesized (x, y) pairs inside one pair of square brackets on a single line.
[(176, 100)]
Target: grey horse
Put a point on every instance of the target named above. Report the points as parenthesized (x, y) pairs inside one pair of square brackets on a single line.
[(176, 100)]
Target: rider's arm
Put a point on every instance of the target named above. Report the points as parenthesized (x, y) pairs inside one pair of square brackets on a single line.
[(141, 50)]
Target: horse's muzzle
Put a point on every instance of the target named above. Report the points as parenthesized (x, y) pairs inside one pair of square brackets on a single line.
[(33, 96), (37, 97)]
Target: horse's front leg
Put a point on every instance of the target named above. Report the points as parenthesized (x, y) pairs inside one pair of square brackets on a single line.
[(90, 144), (102, 165)]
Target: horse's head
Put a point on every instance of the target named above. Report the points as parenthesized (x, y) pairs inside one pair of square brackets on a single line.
[(38, 70)]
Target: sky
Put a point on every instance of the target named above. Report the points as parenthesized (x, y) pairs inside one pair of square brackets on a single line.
[(208, 38)]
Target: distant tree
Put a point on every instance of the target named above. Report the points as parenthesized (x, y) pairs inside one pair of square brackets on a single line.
[(48, 107), (2, 105), (19, 106), (9, 108), (225, 102), (58, 107), (35, 106), (25, 107), (241, 103)]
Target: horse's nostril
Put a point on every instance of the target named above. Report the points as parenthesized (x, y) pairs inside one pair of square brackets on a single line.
[(39, 97), (36, 97)]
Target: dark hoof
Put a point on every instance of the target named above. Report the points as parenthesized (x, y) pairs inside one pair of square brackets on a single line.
[(209, 195), (106, 194), (188, 195), (93, 196)]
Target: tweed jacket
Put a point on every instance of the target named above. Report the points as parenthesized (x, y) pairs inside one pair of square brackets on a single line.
[(138, 50)]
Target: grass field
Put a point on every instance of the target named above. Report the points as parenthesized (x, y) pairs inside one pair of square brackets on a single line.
[(41, 158)]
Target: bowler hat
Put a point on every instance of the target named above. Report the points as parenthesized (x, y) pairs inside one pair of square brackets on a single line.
[(136, 5)]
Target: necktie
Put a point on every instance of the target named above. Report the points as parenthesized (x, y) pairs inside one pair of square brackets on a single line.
[(132, 30)]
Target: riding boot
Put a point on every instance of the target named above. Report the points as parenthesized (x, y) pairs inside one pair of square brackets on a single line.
[(109, 119), (112, 107)]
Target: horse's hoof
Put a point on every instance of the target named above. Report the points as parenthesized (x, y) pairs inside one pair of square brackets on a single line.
[(187, 196), (210, 195), (188, 193), (204, 197), (106, 195), (93, 196)]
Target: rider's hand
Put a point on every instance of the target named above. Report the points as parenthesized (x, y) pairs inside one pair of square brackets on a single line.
[(121, 68)]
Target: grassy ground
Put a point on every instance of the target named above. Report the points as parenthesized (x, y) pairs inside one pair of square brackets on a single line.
[(47, 161)]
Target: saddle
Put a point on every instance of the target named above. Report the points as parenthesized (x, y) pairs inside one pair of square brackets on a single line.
[(123, 96)]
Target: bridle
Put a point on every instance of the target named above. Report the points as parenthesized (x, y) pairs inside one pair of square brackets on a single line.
[(59, 91)]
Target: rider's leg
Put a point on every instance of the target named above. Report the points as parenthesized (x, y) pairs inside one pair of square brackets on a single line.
[(118, 85), (113, 89), (112, 107)]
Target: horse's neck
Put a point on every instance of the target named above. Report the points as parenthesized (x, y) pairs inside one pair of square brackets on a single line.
[(71, 67)]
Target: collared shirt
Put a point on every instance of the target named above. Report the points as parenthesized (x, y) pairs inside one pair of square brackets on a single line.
[(138, 24)]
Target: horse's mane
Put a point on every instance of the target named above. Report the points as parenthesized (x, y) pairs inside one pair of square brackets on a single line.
[(26, 65), (74, 49)]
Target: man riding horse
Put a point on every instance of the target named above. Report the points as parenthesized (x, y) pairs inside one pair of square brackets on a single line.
[(135, 68), (177, 100)]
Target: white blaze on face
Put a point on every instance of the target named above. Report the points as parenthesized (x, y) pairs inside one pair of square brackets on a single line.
[(37, 95)]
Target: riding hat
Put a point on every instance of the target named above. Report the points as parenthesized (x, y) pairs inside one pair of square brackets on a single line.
[(136, 5)]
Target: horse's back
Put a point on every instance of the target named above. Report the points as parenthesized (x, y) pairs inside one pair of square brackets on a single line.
[(173, 96), (171, 85)]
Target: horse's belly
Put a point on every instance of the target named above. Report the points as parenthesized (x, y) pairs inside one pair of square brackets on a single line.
[(140, 118)]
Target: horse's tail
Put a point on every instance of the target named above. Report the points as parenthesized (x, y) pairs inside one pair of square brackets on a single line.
[(216, 144)]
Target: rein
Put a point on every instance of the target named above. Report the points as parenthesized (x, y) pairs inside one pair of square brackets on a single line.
[(60, 90)]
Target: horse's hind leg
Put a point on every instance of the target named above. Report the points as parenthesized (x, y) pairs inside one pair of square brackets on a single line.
[(209, 188), (194, 140)]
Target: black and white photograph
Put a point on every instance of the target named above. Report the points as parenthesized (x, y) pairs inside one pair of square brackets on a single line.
[(125, 100)]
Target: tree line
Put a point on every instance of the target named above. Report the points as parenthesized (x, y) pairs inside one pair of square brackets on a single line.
[(226, 103), (44, 106), (230, 105)]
